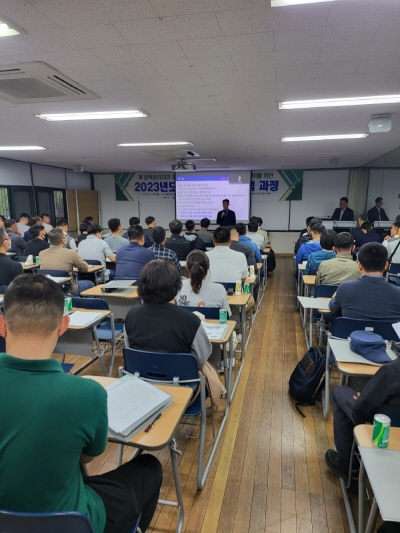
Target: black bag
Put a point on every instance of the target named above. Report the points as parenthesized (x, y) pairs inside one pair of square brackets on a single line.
[(306, 383), (271, 261)]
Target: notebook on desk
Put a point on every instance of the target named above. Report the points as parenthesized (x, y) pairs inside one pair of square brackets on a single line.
[(111, 286), (132, 404)]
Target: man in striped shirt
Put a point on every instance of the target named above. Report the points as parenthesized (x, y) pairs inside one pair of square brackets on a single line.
[(160, 251)]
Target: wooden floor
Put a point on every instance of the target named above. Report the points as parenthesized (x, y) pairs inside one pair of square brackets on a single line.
[(269, 474)]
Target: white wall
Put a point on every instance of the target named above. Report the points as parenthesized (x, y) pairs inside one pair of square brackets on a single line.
[(385, 183), (14, 173), (109, 207)]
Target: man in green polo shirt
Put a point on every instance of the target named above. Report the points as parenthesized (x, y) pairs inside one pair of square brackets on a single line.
[(51, 422)]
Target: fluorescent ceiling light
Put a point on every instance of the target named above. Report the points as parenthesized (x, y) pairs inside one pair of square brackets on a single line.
[(98, 115), (337, 102), (14, 148), (178, 143), (325, 137), (6, 31), (278, 3)]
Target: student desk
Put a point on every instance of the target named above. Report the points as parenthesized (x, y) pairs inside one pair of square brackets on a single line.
[(228, 337), (119, 301), (78, 340), (383, 469), (311, 303), (28, 268), (241, 301), (348, 363), (160, 436), (300, 269), (309, 284), (92, 269)]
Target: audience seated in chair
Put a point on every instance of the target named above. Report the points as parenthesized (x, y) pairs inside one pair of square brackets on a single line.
[(191, 235), (367, 235), (95, 249), (131, 259), (38, 241), (305, 234), (342, 267), (311, 246), (9, 269), (370, 296), (181, 246), (58, 421), (17, 242), (316, 258), (160, 250), (115, 241), (57, 257), (159, 325), (205, 235)]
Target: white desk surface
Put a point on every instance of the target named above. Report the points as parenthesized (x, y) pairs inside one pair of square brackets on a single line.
[(343, 353), (302, 266), (383, 470), (307, 302)]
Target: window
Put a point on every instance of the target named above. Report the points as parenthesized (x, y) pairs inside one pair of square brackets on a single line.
[(4, 202), (59, 204)]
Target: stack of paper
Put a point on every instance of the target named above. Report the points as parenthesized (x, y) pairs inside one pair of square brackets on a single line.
[(215, 331), (80, 319), (131, 404)]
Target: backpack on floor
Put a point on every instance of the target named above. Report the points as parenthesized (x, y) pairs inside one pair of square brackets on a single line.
[(271, 261), (306, 382)]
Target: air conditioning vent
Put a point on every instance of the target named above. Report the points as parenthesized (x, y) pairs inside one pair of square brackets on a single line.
[(26, 83)]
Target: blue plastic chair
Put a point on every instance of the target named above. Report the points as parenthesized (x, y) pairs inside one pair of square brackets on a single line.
[(323, 291), (96, 277), (342, 327), (228, 285), (107, 330), (11, 522), (173, 369), (54, 273), (394, 274), (209, 312)]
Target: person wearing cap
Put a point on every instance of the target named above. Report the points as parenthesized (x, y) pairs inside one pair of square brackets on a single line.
[(351, 408), (377, 212)]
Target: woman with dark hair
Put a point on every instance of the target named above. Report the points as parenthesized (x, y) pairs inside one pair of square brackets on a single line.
[(159, 325), (198, 291), (368, 235)]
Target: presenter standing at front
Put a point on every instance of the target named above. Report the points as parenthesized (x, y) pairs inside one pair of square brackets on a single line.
[(226, 217)]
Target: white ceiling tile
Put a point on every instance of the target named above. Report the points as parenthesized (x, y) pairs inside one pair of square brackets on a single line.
[(283, 58), (238, 44), (346, 68), (190, 80), (378, 51), (365, 13), (243, 21), (199, 26), (146, 52), (240, 76), (388, 33), (192, 66), (210, 90), (17, 44), (78, 13), (183, 7)]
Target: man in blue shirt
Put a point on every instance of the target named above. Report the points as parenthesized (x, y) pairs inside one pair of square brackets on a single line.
[(242, 230), (130, 259), (309, 247), (327, 252)]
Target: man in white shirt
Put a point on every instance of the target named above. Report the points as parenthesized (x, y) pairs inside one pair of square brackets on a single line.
[(393, 246), (95, 249), (24, 223), (253, 234), (393, 237), (46, 222), (226, 265)]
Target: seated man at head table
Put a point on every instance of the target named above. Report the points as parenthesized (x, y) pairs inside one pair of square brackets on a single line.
[(377, 212), (311, 246), (57, 257), (351, 408), (181, 246), (9, 269), (38, 241), (18, 244), (342, 267), (316, 258), (343, 212), (226, 265), (93, 248), (115, 241), (160, 251), (131, 259), (159, 325), (58, 421), (370, 297)]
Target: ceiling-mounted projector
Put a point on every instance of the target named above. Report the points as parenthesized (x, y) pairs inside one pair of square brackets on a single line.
[(183, 166), (380, 124)]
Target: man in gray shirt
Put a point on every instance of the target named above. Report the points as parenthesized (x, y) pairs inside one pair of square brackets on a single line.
[(204, 234), (95, 249), (17, 242), (115, 241)]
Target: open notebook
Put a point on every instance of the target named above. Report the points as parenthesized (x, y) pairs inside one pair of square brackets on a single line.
[(132, 404)]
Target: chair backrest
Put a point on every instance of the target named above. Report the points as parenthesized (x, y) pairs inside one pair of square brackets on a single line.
[(54, 273), (325, 291), (90, 303), (208, 312), (93, 262), (3, 289), (2, 344), (342, 327), (21, 258), (228, 284), (44, 523), (158, 366), (394, 268)]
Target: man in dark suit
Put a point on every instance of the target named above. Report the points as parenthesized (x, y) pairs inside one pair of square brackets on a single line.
[(226, 217), (377, 213), (343, 212)]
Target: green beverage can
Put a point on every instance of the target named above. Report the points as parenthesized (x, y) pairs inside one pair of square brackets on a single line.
[(246, 288), (223, 316), (37, 260), (381, 431), (67, 305)]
